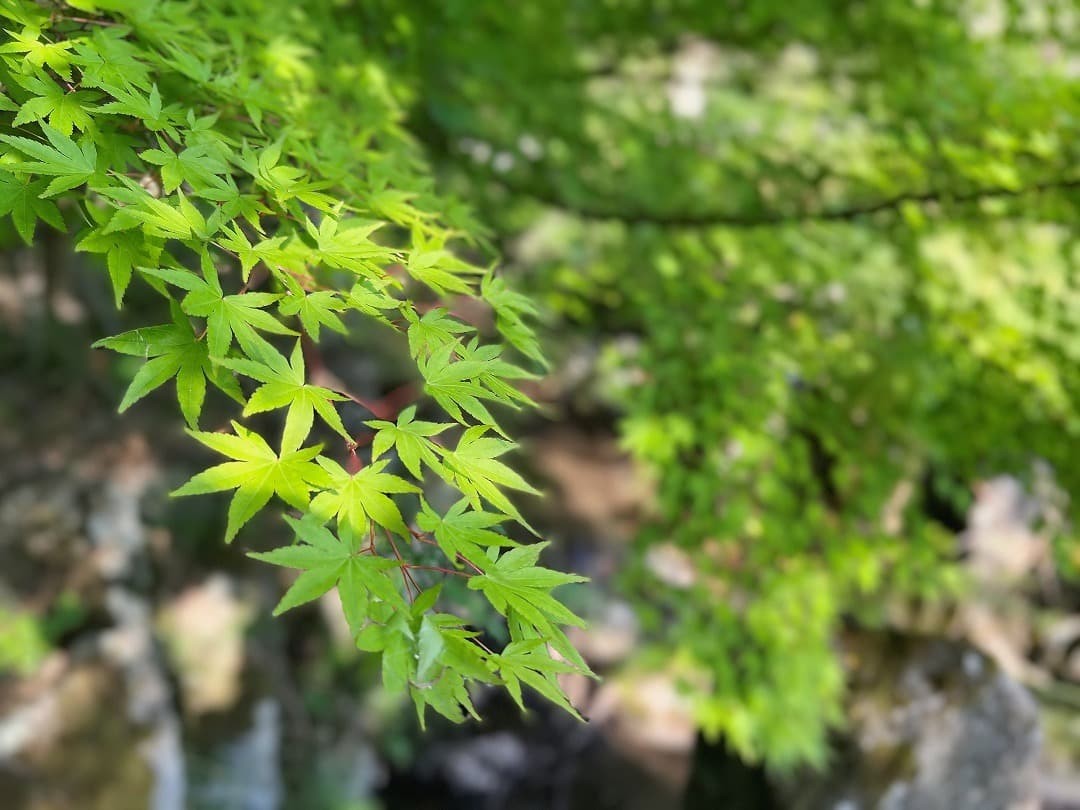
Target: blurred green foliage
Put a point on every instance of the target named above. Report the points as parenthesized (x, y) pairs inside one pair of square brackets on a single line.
[(830, 250)]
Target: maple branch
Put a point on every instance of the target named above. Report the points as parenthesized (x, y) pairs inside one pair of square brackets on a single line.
[(83, 20), (423, 538), (706, 219), (440, 569)]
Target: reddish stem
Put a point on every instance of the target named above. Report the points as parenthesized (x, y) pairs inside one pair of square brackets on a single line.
[(405, 575), (353, 462), (438, 568), (86, 20)]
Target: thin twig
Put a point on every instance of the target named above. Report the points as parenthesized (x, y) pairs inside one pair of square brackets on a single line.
[(86, 20), (439, 568), (405, 575)]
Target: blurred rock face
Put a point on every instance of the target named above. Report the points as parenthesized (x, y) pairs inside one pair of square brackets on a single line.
[(934, 725), (1001, 541), (203, 629)]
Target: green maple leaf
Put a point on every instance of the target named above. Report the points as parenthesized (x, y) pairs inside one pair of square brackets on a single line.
[(147, 107), (195, 165), (285, 182), (496, 372), (435, 330), (454, 385), (284, 386), (369, 297), (478, 473), (411, 439), (529, 662), (69, 164), (157, 218), (356, 499), (515, 582), (267, 251), (256, 472), (510, 311), (345, 245), (440, 269), (429, 262), (106, 58), (123, 250), (40, 53), (172, 350), (24, 202), (315, 309), (521, 591), (226, 315), (327, 561), (65, 111), (463, 532)]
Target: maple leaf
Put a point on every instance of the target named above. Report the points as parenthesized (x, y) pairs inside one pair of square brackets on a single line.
[(411, 439), (454, 385), (463, 532), (478, 473), (345, 245), (69, 164), (529, 662), (284, 386), (356, 499), (172, 350), (315, 309), (256, 472), (24, 202), (38, 52), (123, 251), (226, 315), (435, 330), (511, 308), (514, 582), (195, 165), (327, 561), (65, 111)]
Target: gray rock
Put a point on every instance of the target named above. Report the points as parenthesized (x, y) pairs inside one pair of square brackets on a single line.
[(934, 725)]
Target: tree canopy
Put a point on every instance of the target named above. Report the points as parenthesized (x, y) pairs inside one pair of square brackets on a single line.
[(841, 238)]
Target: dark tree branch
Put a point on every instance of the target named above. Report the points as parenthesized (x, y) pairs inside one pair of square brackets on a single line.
[(771, 218)]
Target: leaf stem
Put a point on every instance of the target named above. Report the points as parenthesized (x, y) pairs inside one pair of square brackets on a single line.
[(405, 575)]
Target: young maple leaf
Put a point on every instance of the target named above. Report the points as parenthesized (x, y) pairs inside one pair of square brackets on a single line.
[(354, 499), (256, 472), (24, 202), (463, 532), (433, 331), (478, 473), (521, 591), (511, 308), (172, 350), (315, 309), (455, 385), (68, 163), (65, 110), (529, 662), (515, 582), (195, 165), (226, 315), (411, 439), (284, 386), (327, 561)]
